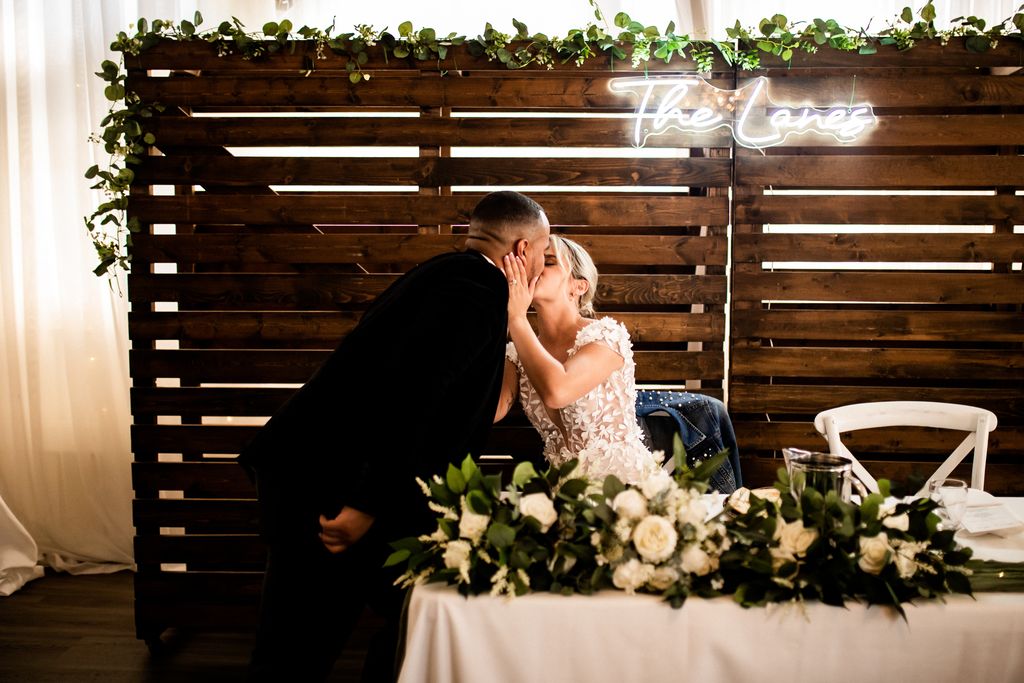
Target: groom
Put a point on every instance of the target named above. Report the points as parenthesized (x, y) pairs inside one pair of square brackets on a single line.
[(413, 387)]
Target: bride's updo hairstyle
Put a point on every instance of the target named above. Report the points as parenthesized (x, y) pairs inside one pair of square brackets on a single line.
[(581, 267)]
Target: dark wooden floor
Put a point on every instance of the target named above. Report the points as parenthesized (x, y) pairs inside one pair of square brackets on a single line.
[(80, 628)]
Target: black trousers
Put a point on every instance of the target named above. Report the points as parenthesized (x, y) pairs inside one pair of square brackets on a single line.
[(312, 599)]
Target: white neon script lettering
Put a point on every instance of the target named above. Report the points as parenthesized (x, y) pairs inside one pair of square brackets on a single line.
[(692, 105)]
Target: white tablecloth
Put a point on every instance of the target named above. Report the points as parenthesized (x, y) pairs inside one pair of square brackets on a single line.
[(615, 637)]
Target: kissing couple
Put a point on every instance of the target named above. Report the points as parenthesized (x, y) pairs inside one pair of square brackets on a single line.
[(416, 386)]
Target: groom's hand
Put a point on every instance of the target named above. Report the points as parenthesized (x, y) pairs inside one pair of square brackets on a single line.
[(340, 533)]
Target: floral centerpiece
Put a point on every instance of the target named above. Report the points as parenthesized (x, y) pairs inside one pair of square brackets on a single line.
[(555, 531)]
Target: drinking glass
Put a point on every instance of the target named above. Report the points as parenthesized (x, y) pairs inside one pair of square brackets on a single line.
[(951, 495), (823, 472)]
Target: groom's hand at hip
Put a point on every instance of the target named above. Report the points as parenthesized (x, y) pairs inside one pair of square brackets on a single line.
[(340, 533)]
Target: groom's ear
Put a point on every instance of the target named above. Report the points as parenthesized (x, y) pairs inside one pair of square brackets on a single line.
[(519, 248)]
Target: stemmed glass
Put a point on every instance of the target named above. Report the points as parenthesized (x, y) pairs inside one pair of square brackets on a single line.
[(951, 495)]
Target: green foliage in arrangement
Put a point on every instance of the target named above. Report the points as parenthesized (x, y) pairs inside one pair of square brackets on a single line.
[(126, 140)]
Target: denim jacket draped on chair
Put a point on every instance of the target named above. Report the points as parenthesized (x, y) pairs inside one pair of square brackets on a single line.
[(703, 424)]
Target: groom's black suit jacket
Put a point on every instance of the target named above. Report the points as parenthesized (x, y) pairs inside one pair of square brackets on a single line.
[(413, 387)]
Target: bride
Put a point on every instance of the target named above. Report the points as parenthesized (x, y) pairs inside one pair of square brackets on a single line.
[(575, 377)]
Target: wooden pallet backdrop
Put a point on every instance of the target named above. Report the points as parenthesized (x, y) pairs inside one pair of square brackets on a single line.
[(895, 316), (240, 288)]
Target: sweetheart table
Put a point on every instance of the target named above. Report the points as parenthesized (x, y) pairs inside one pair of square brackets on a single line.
[(616, 637)]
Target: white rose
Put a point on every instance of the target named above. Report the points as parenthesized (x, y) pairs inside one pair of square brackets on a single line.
[(904, 555), (631, 575), (472, 525), (898, 522), (780, 556), (655, 483), (795, 538), (695, 561), (740, 500), (663, 578), (655, 538), (540, 507), (630, 504), (693, 513), (456, 554), (874, 553)]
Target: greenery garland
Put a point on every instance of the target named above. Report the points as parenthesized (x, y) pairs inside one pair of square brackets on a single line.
[(126, 140)]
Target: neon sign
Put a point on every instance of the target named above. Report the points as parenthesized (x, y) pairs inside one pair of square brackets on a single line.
[(692, 105)]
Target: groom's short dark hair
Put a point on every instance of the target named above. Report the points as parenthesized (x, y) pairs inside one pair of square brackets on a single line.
[(499, 209)]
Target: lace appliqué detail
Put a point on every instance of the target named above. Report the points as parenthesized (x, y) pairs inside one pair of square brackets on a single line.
[(599, 428)]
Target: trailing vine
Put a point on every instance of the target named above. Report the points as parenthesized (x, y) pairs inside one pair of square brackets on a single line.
[(126, 141)]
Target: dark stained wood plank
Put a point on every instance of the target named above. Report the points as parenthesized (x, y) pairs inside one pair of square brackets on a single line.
[(880, 325), (1005, 440), (439, 131), (906, 287), (947, 91), (199, 55), (219, 171), (195, 479), (259, 329), (894, 364), (329, 291), (1000, 479), (219, 439), (228, 515), (413, 248), (405, 209), (582, 91), (998, 248), (281, 366), (208, 401), (876, 171), (881, 209), (1007, 403), (231, 550)]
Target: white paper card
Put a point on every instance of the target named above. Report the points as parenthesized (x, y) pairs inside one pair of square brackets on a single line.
[(989, 519)]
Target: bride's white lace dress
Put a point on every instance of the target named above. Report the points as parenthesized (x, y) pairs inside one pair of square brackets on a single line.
[(599, 428)]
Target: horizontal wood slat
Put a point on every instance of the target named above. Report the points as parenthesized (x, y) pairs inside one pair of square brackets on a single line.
[(320, 290), (891, 364), (219, 171), (256, 329), (253, 248), (194, 479), (923, 171), (936, 444), (239, 515), (294, 366), (947, 91), (224, 549), (880, 325), (1000, 479), (905, 287), (200, 55), (998, 248), (417, 89), (641, 211), (805, 399), (875, 209), (442, 132), (902, 131)]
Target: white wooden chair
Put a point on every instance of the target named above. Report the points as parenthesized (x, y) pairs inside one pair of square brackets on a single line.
[(978, 421)]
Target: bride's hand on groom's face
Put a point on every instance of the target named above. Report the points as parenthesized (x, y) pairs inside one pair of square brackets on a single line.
[(520, 287)]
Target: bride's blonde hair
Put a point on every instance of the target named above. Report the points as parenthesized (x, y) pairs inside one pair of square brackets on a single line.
[(581, 267)]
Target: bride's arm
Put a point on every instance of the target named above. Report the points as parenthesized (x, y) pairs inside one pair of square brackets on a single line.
[(558, 384), (509, 390)]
